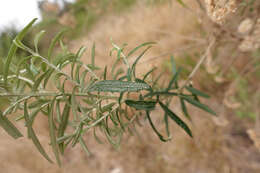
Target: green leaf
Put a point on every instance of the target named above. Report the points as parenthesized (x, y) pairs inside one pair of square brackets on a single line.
[(77, 73), (197, 92), (161, 93), (84, 146), (50, 71), (38, 103), (113, 118), (175, 118), (105, 73), (96, 137), (166, 117), (141, 105), (93, 55), (37, 39), (82, 80), (118, 72), (53, 133), (154, 129), (13, 49), (199, 105), (138, 47), (65, 138), (33, 69), (54, 41), (64, 123), (118, 86), (38, 81), (37, 110), (80, 52), (149, 72), (78, 135), (184, 108), (120, 121), (174, 69), (9, 127), (173, 80), (182, 3), (32, 134), (137, 59), (13, 105), (107, 107)]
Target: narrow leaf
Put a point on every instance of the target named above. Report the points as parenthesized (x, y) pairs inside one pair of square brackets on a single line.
[(173, 80), (38, 81), (175, 118), (149, 72), (141, 105), (53, 133), (13, 49), (118, 86), (64, 123), (105, 73), (32, 134), (199, 105), (37, 39), (197, 92), (137, 59), (9, 127), (174, 69), (93, 55), (154, 129), (138, 47), (78, 135), (84, 146), (182, 3), (54, 41), (184, 109), (80, 52)]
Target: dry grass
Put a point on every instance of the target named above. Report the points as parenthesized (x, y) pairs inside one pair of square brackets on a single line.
[(214, 149)]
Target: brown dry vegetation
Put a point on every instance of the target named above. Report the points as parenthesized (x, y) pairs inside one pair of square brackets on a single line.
[(220, 145)]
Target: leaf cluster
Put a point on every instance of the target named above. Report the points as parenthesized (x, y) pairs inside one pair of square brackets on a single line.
[(93, 103)]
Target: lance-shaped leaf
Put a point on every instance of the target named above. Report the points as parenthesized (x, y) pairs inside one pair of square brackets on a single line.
[(184, 109), (84, 146), (53, 132), (77, 135), (54, 41), (93, 55), (141, 105), (149, 72), (198, 104), (175, 118), (174, 69), (138, 47), (37, 39), (118, 86), (166, 117), (137, 59), (64, 123), (174, 80), (197, 92), (154, 129), (32, 135), (13, 49), (9, 127), (38, 81)]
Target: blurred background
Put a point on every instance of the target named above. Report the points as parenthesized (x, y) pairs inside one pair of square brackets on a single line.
[(229, 143)]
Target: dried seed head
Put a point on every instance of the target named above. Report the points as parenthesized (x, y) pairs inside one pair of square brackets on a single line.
[(245, 26), (218, 10), (251, 42)]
